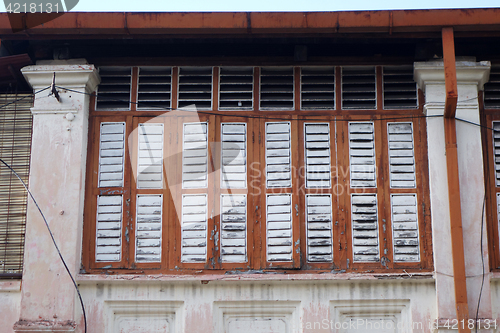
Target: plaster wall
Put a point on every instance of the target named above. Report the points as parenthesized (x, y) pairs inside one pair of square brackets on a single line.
[(10, 304)]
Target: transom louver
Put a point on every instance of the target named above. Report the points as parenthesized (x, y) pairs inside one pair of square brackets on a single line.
[(109, 228), (150, 156), (279, 227), (111, 154), (319, 227), (233, 234), (405, 228), (401, 155), (496, 150), (362, 154), (364, 224), (236, 88), (276, 88), (359, 87), (194, 228), (195, 155), (400, 90), (492, 88), (317, 155), (148, 228), (234, 155), (115, 87), (154, 87), (195, 88), (317, 88), (278, 155)]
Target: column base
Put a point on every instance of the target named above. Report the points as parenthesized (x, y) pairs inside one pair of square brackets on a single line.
[(44, 326)]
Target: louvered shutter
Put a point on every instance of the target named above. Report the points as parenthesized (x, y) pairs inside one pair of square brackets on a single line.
[(109, 228), (148, 228), (400, 90), (319, 227), (359, 88), (195, 155), (401, 155), (276, 88), (492, 88), (114, 90), (405, 228), (278, 155), (362, 154), (150, 156), (111, 154), (236, 88), (364, 224), (233, 239), (317, 88), (153, 89), (234, 155), (317, 155), (496, 150), (195, 87), (279, 227), (194, 223)]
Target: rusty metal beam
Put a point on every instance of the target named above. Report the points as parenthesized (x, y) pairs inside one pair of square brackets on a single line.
[(450, 132)]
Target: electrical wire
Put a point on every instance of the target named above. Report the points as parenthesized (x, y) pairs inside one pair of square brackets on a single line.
[(53, 241)]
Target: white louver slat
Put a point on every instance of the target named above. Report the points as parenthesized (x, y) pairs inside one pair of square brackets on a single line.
[(195, 155), (194, 228), (492, 89), (233, 239), (148, 228), (279, 227), (401, 155), (359, 88), (234, 155), (236, 88), (111, 154), (362, 154), (319, 227), (496, 150), (276, 88), (150, 156), (364, 222), (405, 228), (317, 88), (195, 87), (114, 90), (400, 90), (317, 155), (153, 91), (109, 228), (278, 155)]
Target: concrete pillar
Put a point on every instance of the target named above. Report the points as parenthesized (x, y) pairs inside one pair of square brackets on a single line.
[(57, 181), (471, 77)]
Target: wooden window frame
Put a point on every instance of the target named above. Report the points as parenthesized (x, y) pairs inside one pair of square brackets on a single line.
[(337, 119)]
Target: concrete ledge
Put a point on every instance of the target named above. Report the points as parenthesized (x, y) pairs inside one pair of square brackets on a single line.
[(10, 285)]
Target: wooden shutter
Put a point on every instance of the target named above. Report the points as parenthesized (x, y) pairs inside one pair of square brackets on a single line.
[(317, 88), (362, 154), (317, 155), (233, 240), (194, 222), (234, 155), (153, 88), (496, 150), (405, 228), (236, 88), (114, 90), (109, 228), (150, 156), (400, 90), (195, 155), (276, 88), (111, 154), (148, 228), (364, 222), (195, 87), (359, 87), (401, 155), (319, 227), (279, 227), (278, 155)]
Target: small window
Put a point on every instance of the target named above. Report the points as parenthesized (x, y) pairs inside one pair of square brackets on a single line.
[(153, 91), (492, 89), (276, 88), (114, 90), (236, 88), (195, 88), (400, 91), (359, 87), (317, 88)]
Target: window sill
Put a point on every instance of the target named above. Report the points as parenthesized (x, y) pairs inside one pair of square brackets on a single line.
[(10, 285), (266, 277)]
